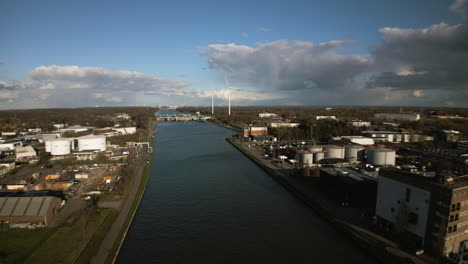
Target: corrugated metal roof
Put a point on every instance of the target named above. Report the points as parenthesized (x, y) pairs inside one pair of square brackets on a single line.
[(25, 206)]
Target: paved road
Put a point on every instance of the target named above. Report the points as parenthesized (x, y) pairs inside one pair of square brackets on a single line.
[(113, 232)]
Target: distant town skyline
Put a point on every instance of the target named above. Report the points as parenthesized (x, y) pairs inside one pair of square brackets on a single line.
[(111, 53)]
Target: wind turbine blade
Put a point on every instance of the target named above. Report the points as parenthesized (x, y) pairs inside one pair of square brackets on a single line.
[(226, 81)]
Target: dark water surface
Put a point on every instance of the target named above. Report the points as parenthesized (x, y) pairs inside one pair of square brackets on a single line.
[(207, 203)]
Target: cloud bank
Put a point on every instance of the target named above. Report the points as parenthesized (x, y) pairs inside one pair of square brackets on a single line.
[(405, 67)]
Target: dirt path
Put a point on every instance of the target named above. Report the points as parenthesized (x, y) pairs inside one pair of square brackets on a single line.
[(114, 231)]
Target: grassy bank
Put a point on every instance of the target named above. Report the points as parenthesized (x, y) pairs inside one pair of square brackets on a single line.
[(16, 245), (366, 242), (67, 243), (93, 245)]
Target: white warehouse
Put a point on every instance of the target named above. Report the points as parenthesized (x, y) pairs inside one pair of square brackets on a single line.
[(92, 143)]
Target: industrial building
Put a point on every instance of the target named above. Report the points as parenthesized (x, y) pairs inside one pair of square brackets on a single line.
[(430, 213), (359, 123), (76, 129), (359, 140), (125, 130), (381, 156), (398, 116), (283, 124), (266, 115), (452, 135), (10, 145), (254, 131), (349, 187), (325, 117), (395, 137), (34, 210), (25, 153)]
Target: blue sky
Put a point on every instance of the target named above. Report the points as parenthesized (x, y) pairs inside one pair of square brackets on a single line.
[(171, 39)]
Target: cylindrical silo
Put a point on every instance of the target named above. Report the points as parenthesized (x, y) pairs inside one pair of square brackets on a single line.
[(60, 147), (333, 151), (306, 158), (406, 138), (381, 156), (354, 153), (314, 148), (47, 146), (92, 143), (318, 156)]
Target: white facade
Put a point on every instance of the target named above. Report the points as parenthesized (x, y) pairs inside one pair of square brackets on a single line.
[(398, 116), (10, 145), (92, 143), (265, 115), (281, 124), (360, 123), (326, 117), (359, 140), (392, 194), (34, 130), (25, 152), (126, 130), (76, 129)]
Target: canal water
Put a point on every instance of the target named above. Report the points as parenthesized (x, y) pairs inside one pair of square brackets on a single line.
[(207, 203)]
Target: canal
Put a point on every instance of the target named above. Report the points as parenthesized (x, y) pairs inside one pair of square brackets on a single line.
[(207, 203)]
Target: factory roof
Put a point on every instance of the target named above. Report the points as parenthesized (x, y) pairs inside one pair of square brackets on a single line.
[(424, 182), (25, 206)]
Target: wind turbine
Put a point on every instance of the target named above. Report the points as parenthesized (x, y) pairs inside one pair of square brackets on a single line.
[(212, 102), (229, 95)]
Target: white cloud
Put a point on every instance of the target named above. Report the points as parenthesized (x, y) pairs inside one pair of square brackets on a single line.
[(101, 78), (459, 6), (283, 65), (418, 93)]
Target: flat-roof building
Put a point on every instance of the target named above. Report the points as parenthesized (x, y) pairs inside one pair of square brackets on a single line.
[(34, 210), (431, 214)]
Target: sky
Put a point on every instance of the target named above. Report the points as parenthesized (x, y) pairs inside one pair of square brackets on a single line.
[(334, 52)]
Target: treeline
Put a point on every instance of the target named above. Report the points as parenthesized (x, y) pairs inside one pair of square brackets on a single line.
[(95, 116), (325, 128)]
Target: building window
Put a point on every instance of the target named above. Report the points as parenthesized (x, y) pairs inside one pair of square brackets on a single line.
[(413, 218), (454, 228), (451, 218), (458, 206), (408, 195), (449, 229), (456, 218)]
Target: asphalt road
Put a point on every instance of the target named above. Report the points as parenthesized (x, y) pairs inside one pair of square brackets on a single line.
[(114, 231)]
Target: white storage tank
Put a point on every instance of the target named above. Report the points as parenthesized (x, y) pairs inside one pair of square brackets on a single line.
[(92, 143), (47, 146), (336, 152), (354, 153), (314, 148), (318, 156), (381, 156), (306, 158), (60, 147)]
